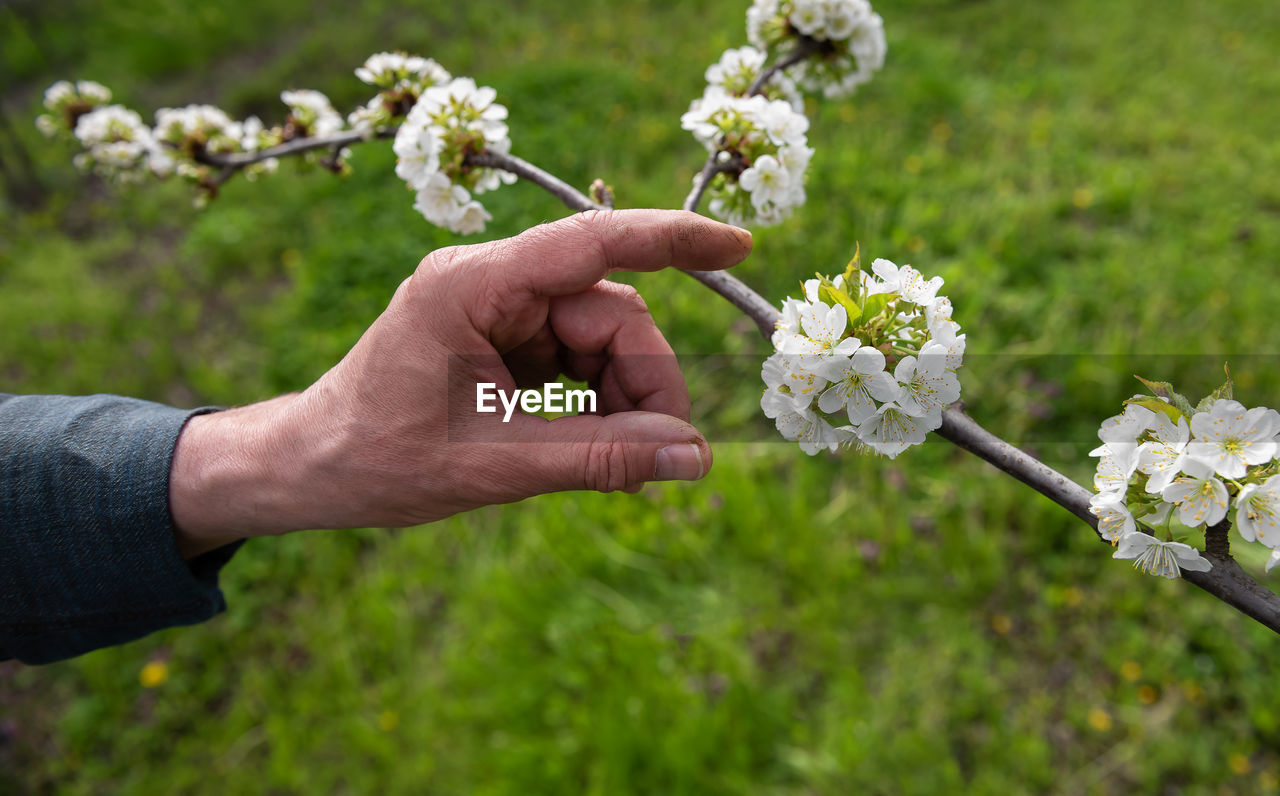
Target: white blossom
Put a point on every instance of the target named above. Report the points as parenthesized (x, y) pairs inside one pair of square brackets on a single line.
[(1165, 559), (1163, 455), (738, 69), (767, 181), (821, 336), (1115, 468), (418, 154), (857, 383), (66, 102), (1200, 497), (117, 144), (463, 106), (1229, 437), (1114, 518), (926, 382), (1258, 512), (441, 201), (400, 71), (893, 429), (1121, 432), (471, 218), (312, 111), (809, 429)]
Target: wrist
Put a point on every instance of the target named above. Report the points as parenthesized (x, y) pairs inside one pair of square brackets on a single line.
[(235, 475)]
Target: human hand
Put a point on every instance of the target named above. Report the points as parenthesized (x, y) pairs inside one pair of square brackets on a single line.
[(389, 436)]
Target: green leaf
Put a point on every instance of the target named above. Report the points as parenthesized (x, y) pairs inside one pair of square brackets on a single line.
[(855, 265), (1165, 390), (833, 295), (1157, 405), (875, 305), (1225, 391)]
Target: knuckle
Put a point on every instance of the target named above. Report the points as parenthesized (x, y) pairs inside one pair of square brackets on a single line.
[(441, 263), (628, 296), (607, 465)]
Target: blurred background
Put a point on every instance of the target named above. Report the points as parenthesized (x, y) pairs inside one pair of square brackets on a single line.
[(1097, 183)]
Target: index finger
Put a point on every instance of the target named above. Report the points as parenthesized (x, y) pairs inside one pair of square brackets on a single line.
[(572, 254)]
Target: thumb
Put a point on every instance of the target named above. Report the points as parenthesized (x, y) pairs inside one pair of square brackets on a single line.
[(609, 452)]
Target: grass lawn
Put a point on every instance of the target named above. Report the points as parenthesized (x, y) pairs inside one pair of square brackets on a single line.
[(1097, 183)]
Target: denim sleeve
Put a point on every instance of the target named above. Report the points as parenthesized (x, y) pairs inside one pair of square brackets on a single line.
[(87, 551)]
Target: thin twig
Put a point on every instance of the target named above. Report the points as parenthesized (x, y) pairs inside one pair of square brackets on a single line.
[(572, 197), (805, 47), (238, 160)]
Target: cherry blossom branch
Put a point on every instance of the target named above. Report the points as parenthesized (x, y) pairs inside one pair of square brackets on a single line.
[(1225, 581)]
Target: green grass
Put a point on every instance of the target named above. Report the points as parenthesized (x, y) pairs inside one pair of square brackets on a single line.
[(1095, 181)]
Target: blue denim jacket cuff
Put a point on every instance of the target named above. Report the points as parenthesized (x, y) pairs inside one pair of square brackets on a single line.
[(87, 551)]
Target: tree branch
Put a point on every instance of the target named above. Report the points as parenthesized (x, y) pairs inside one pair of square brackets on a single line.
[(805, 47), (238, 160), (572, 197), (1226, 580)]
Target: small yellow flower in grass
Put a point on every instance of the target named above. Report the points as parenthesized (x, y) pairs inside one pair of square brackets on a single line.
[(1147, 695), (1073, 596), (1001, 624), (1239, 764), (1082, 198), (913, 164), (388, 720), (1268, 781), (1130, 670), (154, 674), (941, 132), (1099, 719)]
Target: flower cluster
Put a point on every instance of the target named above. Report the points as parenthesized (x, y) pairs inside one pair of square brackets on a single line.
[(447, 124), (66, 102), (117, 145), (761, 150), (849, 33), (867, 360), (1162, 459), (402, 78)]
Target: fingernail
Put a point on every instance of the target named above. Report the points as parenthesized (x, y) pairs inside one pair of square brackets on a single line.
[(679, 463)]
